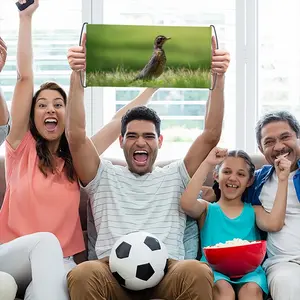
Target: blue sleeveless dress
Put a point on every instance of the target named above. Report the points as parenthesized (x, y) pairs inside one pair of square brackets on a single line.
[(218, 228)]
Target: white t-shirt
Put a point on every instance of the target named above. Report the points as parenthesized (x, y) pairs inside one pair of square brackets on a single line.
[(123, 202), (285, 244)]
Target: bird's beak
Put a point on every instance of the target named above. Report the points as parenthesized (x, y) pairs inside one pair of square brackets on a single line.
[(168, 38)]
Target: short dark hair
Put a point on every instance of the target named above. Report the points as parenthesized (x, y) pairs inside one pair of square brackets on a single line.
[(140, 113), (234, 153), (276, 116)]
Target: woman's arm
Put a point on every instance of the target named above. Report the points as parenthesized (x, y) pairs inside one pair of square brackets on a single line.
[(110, 132), (22, 97)]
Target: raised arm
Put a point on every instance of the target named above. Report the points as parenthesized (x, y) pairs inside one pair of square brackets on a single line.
[(85, 151), (214, 114), (85, 157), (22, 98), (189, 200), (3, 107), (274, 221), (110, 132)]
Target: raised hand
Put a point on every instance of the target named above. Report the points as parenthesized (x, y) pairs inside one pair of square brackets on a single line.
[(3, 54), (28, 12), (282, 167), (220, 59), (216, 156), (77, 56)]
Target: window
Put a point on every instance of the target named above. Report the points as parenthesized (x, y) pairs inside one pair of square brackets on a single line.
[(278, 56), (182, 110), (56, 27), (264, 73)]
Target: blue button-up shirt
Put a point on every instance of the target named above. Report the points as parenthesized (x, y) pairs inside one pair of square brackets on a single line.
[(261, 176)]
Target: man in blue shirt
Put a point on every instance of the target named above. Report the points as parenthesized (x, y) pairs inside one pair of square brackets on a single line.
[(278, 134)]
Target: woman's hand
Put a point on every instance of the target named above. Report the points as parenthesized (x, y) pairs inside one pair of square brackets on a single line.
[(28, 11)]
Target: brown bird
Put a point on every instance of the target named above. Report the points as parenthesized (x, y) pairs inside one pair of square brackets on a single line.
[(156, 65)]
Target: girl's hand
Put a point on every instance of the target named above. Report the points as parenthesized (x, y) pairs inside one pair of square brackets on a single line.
[(28, 12), (282, 167), (216, 156)]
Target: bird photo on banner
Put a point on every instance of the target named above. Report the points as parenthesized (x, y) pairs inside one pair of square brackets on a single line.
[(148, 56)]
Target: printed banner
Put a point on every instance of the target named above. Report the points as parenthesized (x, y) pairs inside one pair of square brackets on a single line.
[(148, 56)]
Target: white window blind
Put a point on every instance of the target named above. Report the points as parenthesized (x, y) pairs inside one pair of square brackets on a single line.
[(56, 27)]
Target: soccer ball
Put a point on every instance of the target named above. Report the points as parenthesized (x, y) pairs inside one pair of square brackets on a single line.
[(138, 260)]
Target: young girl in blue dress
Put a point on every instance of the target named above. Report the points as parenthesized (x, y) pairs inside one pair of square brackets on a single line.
[(230, 217)]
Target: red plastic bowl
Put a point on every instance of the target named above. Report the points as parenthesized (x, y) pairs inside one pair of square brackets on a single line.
[(236, 261)]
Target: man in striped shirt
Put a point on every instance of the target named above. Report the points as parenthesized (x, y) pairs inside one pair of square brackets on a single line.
[(138, 196)]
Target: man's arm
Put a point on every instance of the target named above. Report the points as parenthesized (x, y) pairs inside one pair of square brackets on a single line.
[(110, 132), (84, 154), (214, 114), (3, 107)]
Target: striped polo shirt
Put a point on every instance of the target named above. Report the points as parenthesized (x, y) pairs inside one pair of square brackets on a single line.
[(123, 202)]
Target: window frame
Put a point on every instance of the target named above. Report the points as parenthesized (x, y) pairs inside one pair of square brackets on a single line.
[(246, 74)]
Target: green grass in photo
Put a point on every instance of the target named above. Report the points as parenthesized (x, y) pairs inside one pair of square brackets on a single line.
[(117, 53)]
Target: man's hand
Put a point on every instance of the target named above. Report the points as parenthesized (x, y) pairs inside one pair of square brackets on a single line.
[(3, 54), (220, 59), (77, 56)]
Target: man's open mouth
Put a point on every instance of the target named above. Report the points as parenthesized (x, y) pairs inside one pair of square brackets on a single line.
[(140, 156)]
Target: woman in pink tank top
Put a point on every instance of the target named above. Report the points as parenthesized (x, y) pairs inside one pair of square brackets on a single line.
[(42, 192)]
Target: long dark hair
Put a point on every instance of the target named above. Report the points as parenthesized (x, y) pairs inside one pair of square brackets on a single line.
[(46, 163), (234, 153)]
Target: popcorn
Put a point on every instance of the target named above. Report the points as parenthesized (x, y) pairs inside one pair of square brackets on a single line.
[(234, 242)]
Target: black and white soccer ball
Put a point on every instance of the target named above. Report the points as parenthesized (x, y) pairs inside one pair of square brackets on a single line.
[(138, 260)]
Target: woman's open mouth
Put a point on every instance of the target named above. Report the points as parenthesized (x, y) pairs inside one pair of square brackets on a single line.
[(50, 124)]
